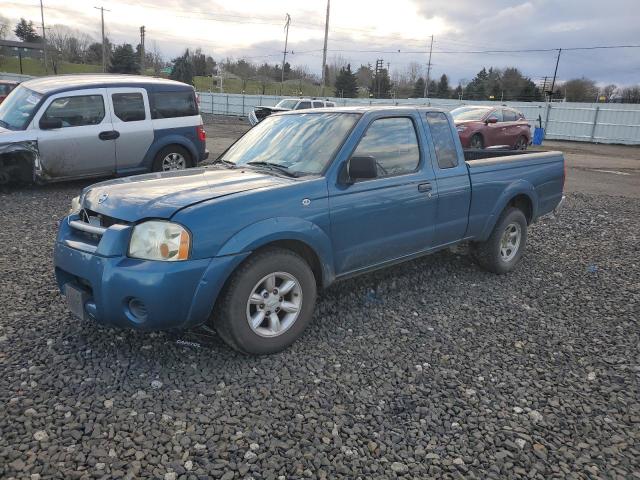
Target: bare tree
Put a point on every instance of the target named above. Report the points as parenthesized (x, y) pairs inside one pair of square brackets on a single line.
[(5, 27)]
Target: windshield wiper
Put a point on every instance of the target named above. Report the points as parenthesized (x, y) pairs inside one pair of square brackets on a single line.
[(226, 163), (3, 124), (273, 166)]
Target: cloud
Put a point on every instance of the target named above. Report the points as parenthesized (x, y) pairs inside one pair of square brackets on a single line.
[(362, 34)]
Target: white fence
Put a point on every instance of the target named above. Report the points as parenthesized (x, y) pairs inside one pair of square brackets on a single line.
[(583, 122)]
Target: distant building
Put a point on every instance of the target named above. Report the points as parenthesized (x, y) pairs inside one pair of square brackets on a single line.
[(11, 48)]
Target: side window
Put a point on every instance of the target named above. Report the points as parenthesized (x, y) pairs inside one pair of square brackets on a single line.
[(173, 104), (330, 104), (443, 140), (76, 111), (303, 105), (318, 104), (393, 144), (128, 107), (508, 115), (497, 114)]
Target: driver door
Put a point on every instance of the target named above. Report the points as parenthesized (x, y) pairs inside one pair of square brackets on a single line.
[(378, 220), (82, 145)]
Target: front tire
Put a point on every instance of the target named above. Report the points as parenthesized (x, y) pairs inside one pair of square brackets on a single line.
[(476, 142), (267, 303), (504, 248), (172, 158), (521, 144)]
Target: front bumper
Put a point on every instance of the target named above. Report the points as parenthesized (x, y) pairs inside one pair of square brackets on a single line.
[(141, 294)]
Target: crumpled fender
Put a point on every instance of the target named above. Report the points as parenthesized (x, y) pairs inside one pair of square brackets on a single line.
[(519, 187), (29, 148), (270, 230)]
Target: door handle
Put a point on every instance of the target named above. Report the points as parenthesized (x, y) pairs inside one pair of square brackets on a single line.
[(109, 135), (424, 187)]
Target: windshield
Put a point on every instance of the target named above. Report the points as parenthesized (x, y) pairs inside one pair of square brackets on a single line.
[(469, 113), (303, 144), (287, 104), (18, 108)]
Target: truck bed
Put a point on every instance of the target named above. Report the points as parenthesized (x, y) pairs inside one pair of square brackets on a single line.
[(497, 174)]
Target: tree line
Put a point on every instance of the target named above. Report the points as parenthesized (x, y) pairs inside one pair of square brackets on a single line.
[(74, 46)]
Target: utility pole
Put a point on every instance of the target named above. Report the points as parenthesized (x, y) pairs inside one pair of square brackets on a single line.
[(544, 87), (379, 63), (287, 22), (104, 54), (426, 84), (324, 50), (142, 50), (44, 37), (553, 83)]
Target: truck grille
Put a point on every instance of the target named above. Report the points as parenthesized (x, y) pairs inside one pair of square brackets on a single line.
[(90, 227)]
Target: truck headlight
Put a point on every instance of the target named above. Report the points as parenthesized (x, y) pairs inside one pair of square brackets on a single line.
[(158, 240), (461, 128), (75, 205)]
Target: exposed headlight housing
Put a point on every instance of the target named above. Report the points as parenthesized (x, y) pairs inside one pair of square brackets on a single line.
[(76, 205), (159, 240), (461, 128)]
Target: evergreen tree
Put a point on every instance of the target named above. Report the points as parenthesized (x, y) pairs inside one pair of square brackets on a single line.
[(381, 84), (433, 89), (124, 60), (418, 88), (443, 90), (26, 32), (183, 69), (346, 83)]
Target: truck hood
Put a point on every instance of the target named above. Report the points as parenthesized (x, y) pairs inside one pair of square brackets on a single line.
[(160, 195)]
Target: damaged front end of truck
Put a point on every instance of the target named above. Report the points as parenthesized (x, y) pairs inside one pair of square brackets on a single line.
[(20, 163)]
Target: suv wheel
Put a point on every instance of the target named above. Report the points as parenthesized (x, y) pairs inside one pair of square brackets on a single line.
[(171, 158), (267, 303), (476, 142)]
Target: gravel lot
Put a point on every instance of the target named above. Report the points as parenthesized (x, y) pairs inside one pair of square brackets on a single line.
[(430, 369)]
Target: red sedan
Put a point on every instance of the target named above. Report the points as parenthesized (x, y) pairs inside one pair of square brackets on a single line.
[(5, 88), (481, 127)]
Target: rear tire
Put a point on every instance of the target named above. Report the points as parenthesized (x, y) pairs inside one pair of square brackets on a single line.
[(476, 142), (504, 248), (258, 326), (171, 158)]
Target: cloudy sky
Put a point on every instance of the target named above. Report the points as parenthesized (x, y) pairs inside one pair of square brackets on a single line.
[(397, 31)]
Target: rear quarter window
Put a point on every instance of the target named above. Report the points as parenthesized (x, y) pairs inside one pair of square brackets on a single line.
[(173, 104), (443, 140)]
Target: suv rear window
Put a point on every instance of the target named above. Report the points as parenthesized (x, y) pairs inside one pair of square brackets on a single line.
[(173, 104), (128, 107)]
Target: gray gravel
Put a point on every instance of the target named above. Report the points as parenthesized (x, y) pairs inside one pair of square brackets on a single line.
[(429, 369)]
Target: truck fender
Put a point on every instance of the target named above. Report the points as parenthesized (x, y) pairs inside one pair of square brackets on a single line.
[(519, 187), (172, 139), (276, 229)]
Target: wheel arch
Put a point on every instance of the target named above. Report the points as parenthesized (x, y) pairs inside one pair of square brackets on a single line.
[(167, 141), (300, 236), (520, 195)]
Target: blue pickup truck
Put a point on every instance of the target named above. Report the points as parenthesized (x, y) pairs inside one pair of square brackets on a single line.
[(303, 199)]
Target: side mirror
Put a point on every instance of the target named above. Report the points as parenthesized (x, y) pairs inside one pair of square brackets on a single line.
[(491, 120), (50, 123), (362, 168)]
